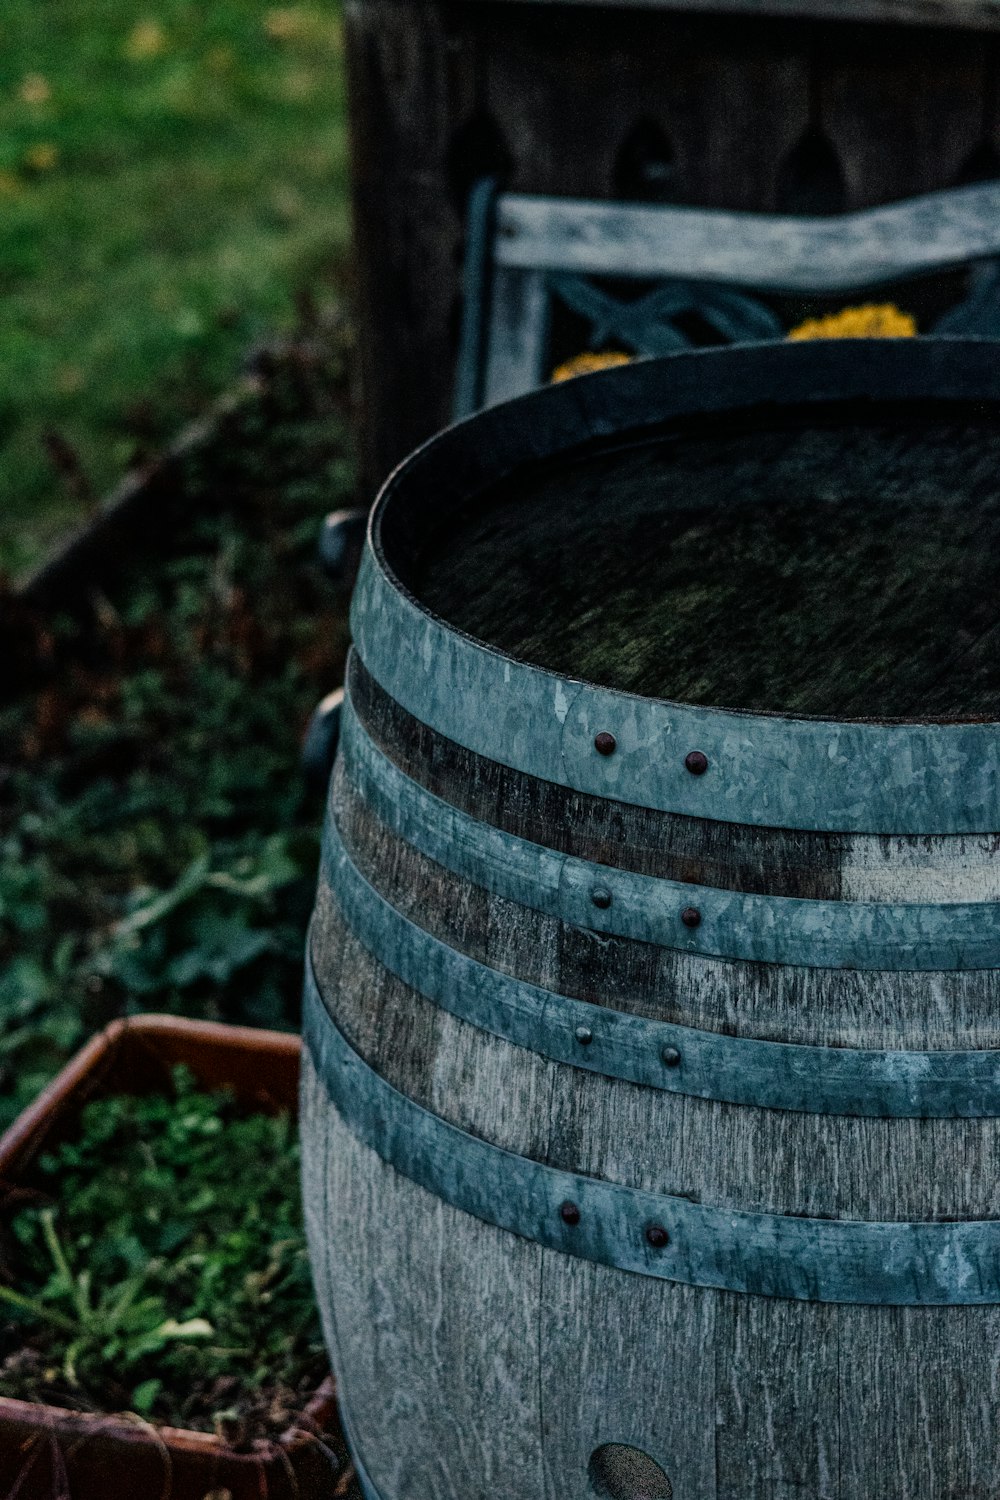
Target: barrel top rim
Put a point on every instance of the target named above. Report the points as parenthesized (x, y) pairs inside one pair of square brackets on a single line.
[(923, 777), (798, 350)]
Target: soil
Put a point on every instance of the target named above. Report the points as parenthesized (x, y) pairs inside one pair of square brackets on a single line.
[(162, 1257)]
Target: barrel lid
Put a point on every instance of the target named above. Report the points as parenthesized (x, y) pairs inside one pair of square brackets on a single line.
[(854, 775)]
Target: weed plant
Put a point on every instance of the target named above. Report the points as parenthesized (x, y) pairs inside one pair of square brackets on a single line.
[(168, 1274), (158, 845)]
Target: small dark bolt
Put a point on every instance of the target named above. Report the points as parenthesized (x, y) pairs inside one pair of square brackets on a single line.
[(605, 743), (691, 916), (601, 897), (569, 1213), (696, 762), (671, 1057), (657, 1236), (584, 1035)]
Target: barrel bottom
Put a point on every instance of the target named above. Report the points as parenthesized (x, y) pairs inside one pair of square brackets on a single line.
[(473, 1365)]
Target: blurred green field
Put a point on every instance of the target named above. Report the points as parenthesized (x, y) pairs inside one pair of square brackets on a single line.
[(171, 179)]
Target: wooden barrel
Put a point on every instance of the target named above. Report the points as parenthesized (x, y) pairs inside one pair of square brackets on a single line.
[(651, 1104)]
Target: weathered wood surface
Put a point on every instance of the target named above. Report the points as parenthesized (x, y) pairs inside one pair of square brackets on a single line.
[(742, 111), (765, 251), (777, 1425), (731, 1395), (823, 1006), (839, 1164), (777, 253), (781, 862), (400, 1270), (518, 334), (473, 1362)]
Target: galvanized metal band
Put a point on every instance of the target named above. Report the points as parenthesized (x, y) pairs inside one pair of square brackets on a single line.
[(768, 771), (652, 1234), (660, 1054), (731, 924)]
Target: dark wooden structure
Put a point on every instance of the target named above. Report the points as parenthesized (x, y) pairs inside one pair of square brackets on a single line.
[(811, 106), (651, 1086), (690, 276)]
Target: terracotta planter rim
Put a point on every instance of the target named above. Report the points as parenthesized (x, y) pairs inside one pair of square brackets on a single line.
[(159, 1041)]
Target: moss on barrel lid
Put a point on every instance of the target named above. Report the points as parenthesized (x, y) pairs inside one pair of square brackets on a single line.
[(846, 570)]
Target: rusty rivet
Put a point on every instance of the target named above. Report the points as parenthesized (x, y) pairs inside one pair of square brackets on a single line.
[(605, 743), (569, 1213), (601, 897), (696, 762), (671, 1057), (691, 916), (657, 1236), (584, 1035)]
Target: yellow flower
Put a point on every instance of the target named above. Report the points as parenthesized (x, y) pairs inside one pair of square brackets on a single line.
[(583, 364), (147, 39), (876, 320), (35, 89), (42, 158)]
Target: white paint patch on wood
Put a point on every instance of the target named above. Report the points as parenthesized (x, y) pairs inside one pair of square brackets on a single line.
[(911, 870)]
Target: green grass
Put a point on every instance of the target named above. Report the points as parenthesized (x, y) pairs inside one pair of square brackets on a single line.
[(172, 176), (170, 1277)]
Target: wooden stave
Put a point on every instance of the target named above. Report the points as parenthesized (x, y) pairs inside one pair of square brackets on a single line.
[(751, 1341), (826, 1006), (704, 851), (722, 1457), (851, 1418), (591, 1398), (857, 1429), (850, 1415), (867, 1168)]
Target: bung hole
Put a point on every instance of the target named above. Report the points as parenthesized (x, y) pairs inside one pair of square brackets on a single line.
[(620, 1472)]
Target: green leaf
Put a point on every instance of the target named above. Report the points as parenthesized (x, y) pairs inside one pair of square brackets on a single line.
[(144, 1396)]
